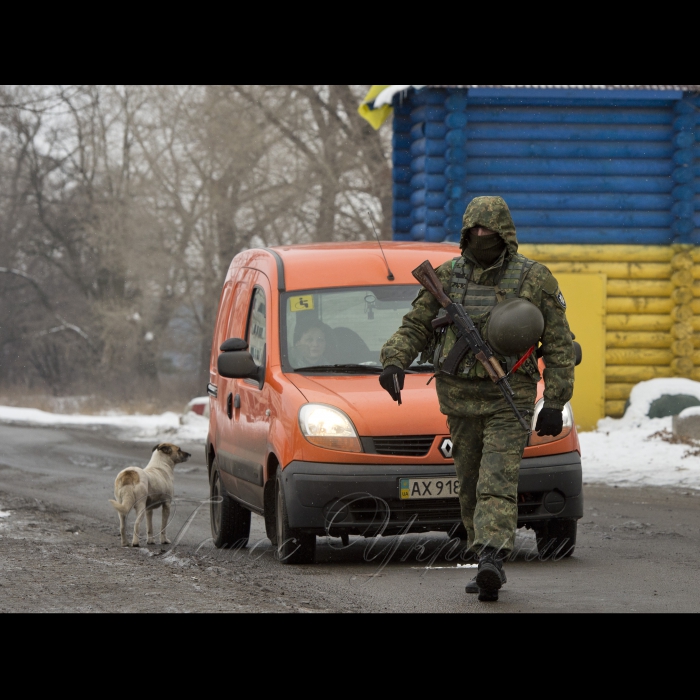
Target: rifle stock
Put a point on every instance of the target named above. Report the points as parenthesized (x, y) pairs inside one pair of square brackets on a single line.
[(425, 274)]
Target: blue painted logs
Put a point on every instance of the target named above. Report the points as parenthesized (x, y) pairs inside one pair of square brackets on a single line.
[(591, 170), (402, 208), (684, 126), (428, 165), (456, 157)]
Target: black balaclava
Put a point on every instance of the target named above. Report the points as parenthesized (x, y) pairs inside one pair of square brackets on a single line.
[(486, 249)]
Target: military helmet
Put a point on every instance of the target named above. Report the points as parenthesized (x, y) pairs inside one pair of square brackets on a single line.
[(514, 326)]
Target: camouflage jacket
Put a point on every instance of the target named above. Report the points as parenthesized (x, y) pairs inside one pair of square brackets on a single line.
[(540, 287)]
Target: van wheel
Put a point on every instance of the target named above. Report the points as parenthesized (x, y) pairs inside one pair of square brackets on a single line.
[(556, 539), (230, 521), (292, 547)]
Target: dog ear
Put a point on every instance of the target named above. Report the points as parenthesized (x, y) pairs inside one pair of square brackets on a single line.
[(156, 447), (166, 449)]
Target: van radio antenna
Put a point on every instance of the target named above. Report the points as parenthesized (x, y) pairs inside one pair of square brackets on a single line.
[(390, 276)]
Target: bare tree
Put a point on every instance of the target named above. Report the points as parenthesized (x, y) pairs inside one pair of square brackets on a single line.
[(121, 208)]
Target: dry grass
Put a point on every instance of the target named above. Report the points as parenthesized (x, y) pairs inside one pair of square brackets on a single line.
[(668, 436), (95, 403)]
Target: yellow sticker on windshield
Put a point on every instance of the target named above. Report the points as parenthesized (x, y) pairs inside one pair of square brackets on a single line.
[(302, 303)]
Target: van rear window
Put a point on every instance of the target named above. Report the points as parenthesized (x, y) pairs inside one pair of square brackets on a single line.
[(322, 328)]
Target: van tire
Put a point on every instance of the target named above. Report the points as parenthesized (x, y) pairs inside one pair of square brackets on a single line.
[(556, 539), (293, 547), (230, 521)]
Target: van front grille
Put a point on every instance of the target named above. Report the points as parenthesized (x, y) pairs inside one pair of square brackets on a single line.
[(529, 503), (429, 511), (400, 445)]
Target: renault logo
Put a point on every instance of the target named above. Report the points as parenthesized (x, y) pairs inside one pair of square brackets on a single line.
[(446, 448)]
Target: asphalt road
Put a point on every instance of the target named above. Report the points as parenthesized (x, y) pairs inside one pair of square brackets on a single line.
[(59, 549)]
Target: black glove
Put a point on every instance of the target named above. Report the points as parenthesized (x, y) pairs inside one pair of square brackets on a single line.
[(386, 379), (550, 421)]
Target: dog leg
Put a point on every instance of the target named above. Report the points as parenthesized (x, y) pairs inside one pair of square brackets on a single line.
[(149, 526), (166, 516), (122, 529), (140, 511)]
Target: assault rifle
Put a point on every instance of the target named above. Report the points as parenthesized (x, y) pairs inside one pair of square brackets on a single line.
[(467, 334)]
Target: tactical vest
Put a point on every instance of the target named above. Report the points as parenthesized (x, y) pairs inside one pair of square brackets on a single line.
[(478, 301)]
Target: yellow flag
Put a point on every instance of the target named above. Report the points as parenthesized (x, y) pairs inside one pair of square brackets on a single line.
[(376, 117)]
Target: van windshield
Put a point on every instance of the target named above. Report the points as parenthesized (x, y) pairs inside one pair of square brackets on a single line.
[(343, 330)]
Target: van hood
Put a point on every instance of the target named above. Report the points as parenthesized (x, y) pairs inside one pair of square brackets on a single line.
[(371, 409)]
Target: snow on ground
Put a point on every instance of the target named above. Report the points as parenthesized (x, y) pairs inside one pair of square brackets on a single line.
[(631, 451), (165, 427), (622, 451)]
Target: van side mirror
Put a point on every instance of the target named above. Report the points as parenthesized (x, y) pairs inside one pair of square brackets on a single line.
[(238, 365), (578, 353), (233, 344), (236, 362)]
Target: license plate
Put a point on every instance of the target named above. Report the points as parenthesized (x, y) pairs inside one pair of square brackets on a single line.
[(428, 488)]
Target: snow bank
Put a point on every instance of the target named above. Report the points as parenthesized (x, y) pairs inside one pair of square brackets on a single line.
[(387, 94), (645, 393), (167, 426), (623, 453)]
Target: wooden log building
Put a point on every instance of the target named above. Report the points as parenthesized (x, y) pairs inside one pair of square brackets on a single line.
[(604, 186)]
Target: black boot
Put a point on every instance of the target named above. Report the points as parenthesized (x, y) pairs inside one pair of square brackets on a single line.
[(472, 586), (490, 576)]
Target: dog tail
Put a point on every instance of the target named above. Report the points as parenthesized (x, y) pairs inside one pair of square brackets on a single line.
[(123, 508), (124, 490)]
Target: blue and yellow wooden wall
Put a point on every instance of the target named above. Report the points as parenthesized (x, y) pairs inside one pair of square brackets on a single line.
[(604, 187)]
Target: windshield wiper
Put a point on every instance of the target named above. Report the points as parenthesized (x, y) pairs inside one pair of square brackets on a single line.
[(367, 369)]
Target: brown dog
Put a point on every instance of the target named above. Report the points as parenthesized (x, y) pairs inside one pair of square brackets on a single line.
[(147, 489)]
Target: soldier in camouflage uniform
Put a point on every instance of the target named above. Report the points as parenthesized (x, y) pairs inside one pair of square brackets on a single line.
[(488, 441)]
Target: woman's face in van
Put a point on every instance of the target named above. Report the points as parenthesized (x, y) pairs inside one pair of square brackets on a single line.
[(312, 344)]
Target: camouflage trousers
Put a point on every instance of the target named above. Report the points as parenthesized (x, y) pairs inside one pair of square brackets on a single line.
[(488, 443)]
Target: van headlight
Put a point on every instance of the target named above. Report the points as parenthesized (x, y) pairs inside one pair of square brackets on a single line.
[(326, 426), (567, 415)]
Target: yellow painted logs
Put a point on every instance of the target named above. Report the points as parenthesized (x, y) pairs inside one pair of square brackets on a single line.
[(638, 356), (618, 390), (639, 340), (616, 395), (638, 322), (615, 408), (641, 305), (634, 375), (684, 292), (653, 309), (640, 288), (616, 270), (597, 253)]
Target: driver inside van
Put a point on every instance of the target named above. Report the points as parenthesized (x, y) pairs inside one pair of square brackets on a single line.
[(310, 345)]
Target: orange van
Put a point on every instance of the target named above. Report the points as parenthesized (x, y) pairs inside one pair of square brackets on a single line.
[(301, 432)]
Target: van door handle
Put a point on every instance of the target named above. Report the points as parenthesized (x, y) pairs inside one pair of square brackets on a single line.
[(229, 405), (237, 401)]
